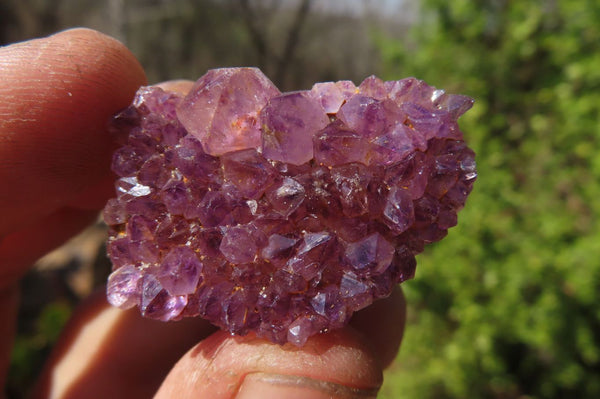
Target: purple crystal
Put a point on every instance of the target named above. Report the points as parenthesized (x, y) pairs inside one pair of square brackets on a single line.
[(249, 172), (179, 272), (240, 244), (279, 248), (399, 210), (355, 291), (114, 212), (373, 254), (156, 303), (352, 181), (373, 87), (329, 95), (328, 302), (281, 214), (222, 108), (302, 328), (366, 116), (130, 186), (394, 145), (123, 287), (287, 196), (337, 144), (288, 124), (214, 208)]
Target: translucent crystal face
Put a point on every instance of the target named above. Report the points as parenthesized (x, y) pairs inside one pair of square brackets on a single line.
[(280, 214)]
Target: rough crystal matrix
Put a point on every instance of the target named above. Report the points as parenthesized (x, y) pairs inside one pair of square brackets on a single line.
[(281, 214)]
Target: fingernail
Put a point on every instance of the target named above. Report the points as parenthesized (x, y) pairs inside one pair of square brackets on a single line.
[(277, 386)]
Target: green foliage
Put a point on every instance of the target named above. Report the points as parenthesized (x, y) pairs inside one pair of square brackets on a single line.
[(31, 350), (506, 306)]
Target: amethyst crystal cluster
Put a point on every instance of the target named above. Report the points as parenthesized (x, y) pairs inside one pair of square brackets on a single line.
[(280, 213)]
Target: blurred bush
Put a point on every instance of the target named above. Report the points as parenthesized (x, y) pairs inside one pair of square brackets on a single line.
[(32, 348), (507, 305)]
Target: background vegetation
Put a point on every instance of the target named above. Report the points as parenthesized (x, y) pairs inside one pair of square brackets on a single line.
[(506, 306)]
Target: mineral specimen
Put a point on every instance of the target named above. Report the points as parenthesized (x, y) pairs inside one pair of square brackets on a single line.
[(281, 214)]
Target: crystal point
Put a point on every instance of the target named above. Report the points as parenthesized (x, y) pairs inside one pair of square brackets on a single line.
[(221, 110), (180, 271), (289, 123)]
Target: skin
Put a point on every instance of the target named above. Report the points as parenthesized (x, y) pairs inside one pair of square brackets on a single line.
[(57, 95)]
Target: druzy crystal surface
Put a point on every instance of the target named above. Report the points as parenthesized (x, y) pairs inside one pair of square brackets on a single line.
[(280, 214)]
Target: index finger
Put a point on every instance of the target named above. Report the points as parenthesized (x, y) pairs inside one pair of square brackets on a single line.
[(57, 96)]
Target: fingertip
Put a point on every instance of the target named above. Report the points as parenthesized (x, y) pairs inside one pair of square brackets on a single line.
[(58, 94), (329, 364), (344, 363), (101, 56), (78, 66)]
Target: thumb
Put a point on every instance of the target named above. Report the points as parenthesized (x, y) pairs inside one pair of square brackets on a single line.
[(335, 365)]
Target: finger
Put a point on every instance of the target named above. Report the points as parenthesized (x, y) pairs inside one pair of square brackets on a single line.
[(22, 248), (57, 96), (115, 353), (334, 365), (342, 364), (383, 323)]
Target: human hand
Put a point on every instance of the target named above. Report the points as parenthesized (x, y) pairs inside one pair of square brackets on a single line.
[(57, 95)]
